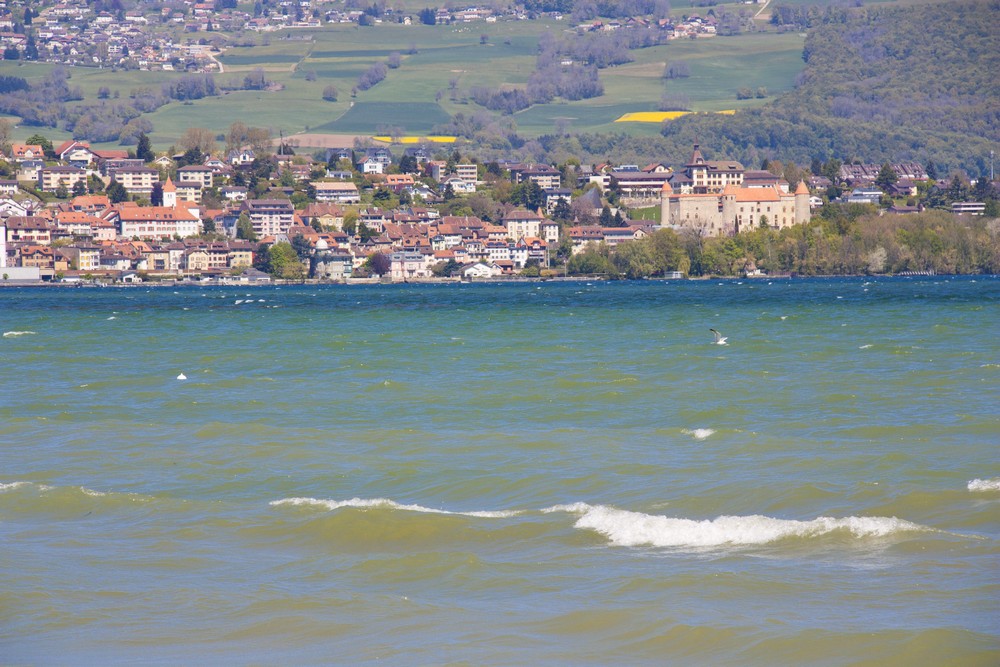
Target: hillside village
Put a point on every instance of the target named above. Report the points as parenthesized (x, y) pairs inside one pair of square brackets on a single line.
[(74, 211), (178, 36)]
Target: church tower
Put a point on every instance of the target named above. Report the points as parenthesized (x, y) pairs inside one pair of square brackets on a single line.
[(169, 194)]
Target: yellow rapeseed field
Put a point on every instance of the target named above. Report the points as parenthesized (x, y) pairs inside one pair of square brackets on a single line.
[(659, 116), (416, 140), (650, 116)]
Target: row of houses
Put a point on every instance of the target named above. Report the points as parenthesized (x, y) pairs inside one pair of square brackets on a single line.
[(90, 234), (113, 257)]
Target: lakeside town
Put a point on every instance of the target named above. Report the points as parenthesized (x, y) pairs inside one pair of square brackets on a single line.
[(74, 213)]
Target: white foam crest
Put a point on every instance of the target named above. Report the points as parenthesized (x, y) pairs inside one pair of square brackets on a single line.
[(572, 508), (699, 433), (385, 503), (10, 486), (985, 484), (12, 334), (626, 528), (127, 495)]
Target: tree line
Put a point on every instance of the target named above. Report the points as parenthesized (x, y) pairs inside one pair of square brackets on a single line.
[(840, 241)]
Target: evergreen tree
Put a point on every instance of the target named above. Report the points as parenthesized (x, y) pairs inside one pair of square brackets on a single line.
[(116, 193), (427, 16), (79, 189), (144, 150), (529, 194), (408, 164), (606, 219), (303, 249), (191, 156), (365, 233), (156, 196), (886, 177), (562, 211), (957, 191)]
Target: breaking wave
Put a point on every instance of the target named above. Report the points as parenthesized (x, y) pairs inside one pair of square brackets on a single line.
[(699, 433), (384, 503), (985, 484), (633, 529), (12, 334), (10, 486), (625, 528)]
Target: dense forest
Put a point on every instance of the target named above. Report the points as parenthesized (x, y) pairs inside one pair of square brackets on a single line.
[(880, 83)]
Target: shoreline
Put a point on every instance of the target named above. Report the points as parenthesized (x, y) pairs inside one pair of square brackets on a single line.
[(13, 284)]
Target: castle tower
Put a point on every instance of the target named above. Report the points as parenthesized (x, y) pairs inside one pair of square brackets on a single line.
[(169, 194), (665, 193), (802, 212)]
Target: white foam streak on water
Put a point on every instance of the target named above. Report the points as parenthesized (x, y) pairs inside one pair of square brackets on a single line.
[(985, 484), (10, 486), (699, 433), (44, 488), (12, 334), (625, 528), (385, 503), (18, 485)]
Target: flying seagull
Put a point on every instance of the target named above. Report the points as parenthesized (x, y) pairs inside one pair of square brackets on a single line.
[(719, 338)]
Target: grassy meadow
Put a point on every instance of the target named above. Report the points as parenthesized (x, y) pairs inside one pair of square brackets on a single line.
[(418, 95)]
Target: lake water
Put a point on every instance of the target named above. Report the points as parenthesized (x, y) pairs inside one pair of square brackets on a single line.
[(541, 473)]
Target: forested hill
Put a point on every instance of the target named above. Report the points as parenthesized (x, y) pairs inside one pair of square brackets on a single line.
[(930, 67), (880, 83)]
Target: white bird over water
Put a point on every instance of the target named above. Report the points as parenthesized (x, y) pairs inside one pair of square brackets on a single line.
[(719, 338)]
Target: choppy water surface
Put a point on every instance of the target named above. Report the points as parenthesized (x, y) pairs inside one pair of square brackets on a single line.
[(549, 473)]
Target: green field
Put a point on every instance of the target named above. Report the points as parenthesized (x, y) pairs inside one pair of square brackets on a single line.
[(413, 118), (418, 95)]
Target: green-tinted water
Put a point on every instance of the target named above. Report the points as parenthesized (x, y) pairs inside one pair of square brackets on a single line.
[(559, 473)]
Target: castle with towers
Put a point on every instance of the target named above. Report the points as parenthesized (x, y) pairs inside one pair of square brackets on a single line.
[(721, 198)]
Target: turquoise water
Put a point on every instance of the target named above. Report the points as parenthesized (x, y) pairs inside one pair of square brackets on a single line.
[(557, 473)]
